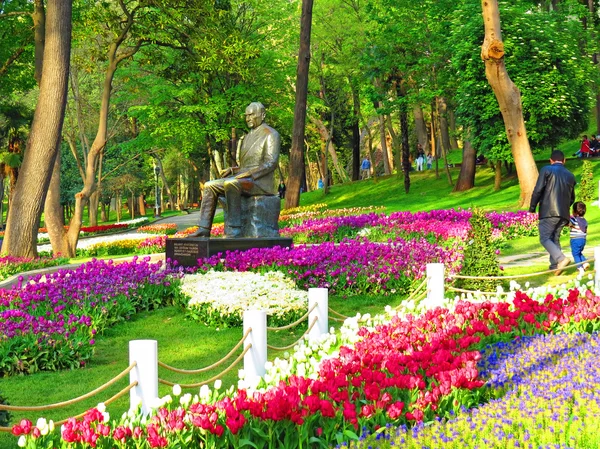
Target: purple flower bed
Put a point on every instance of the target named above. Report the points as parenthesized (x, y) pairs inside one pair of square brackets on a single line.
[(551, 400), (436, 225), (351, 267), (49, 323)]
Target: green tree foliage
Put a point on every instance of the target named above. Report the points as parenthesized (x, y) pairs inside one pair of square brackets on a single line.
[(546, 56), (587, 187), (480, 257)]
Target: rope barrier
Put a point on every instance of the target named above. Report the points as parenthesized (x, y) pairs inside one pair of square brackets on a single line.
[(208, 368), (518, 276), (295, 323), (283, 348), (477, 292), (34, 408), (336, 313), (113, 398), (420, 286), (199, 384), (338, 320)]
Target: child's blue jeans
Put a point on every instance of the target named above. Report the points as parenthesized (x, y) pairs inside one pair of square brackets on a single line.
[(577, 246)]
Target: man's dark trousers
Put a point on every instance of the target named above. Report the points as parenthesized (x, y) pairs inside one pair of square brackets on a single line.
[(550, 229)]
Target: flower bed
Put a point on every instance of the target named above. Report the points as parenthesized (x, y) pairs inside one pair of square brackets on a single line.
[(406, 371), (561, 410), (219, 299), (159, 228), (10, 265), (435, 226), (50, 324), (351, 267)]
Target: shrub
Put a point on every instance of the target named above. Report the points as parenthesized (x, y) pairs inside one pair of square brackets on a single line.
[(480, 255), (587, 186)]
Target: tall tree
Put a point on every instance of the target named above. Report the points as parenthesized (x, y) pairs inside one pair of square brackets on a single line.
[(296, 179), (42, 148), (509, 100)]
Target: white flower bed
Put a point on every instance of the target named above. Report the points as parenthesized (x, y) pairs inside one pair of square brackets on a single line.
[(82, 244), (220, 298)]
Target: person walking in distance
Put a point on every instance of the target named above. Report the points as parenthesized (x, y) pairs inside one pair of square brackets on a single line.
[(365, 168), (554, 192), (578, 235)]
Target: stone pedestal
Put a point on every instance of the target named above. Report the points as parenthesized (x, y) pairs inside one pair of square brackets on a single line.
[(187, 251), (260, 216)]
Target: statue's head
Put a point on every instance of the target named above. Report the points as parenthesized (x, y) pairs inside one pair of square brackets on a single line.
[(255, 114)]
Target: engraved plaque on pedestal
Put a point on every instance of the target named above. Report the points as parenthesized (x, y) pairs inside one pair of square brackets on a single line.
[(187, 251)]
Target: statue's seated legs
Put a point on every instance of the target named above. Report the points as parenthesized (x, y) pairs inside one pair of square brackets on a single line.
[(248, 212)]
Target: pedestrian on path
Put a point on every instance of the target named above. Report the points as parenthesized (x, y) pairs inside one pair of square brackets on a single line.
[(578, 234), (554, 192)]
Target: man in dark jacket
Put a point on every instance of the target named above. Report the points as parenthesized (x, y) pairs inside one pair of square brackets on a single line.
[(554, 192)]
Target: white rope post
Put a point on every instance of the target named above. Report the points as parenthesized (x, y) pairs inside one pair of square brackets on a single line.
[(256, 357), (319, 299), (145, 354), (435, 285), (597, 268)]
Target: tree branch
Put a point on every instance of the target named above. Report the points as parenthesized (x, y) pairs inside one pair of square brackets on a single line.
[(10, 60)]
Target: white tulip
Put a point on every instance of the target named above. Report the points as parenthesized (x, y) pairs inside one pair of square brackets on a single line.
[(177, 390)]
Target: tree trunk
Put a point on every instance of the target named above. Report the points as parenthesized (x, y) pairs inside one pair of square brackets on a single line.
[(295, 180), (326, 136), (119, 205), (598, 112), (370, 149), (39, 31), (498, 175), (23, 222), (466, 178), (452, 124), (384, 151), (405, 145), (396, 145), (434, 150), (54, 216), (509, 99), (421, 127), (443, 124), (355, 131), (142, 206)]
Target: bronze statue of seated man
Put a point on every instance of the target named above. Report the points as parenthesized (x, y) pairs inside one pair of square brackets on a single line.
[(258, 157)]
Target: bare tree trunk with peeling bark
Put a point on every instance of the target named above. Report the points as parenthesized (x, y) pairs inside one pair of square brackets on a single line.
[(509, 100)]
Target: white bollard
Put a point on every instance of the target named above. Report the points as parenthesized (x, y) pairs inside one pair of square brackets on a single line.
[(320, 297), (256, 357), (435, 285), (145, 354), (597, 268)]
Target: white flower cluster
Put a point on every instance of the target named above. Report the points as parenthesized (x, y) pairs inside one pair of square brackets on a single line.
[(308, 355), (82, 244), (583, 282), (135, 221), (231, 293)]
